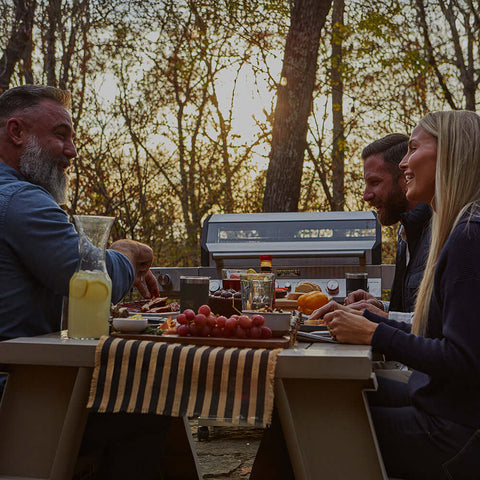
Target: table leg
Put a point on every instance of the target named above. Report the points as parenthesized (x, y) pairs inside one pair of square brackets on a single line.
[(42, 418), (328, 430)]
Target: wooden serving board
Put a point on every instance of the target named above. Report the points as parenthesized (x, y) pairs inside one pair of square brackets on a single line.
[(280, 342)]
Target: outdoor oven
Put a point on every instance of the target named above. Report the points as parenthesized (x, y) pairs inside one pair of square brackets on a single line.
[(319, 247)]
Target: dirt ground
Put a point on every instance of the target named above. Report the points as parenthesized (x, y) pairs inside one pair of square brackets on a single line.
[(228, 453)]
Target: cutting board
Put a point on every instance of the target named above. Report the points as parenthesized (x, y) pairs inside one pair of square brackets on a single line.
[(286, 304), (280, 342)]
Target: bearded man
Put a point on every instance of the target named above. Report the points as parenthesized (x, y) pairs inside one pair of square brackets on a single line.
[(39, 254), (385, 189), (38, 244)]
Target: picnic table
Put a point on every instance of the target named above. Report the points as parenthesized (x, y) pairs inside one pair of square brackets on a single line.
[(319, 392)]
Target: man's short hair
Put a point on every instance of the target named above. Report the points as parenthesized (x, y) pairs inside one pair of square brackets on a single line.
[(393, 148), (27, 96)]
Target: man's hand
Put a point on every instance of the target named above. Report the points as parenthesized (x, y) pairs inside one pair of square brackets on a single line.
[(141, 257), (331, 306), (359, 295), (370, 304)]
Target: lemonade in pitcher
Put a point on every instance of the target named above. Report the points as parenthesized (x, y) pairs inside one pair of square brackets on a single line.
[(89, 304), (90, 290)]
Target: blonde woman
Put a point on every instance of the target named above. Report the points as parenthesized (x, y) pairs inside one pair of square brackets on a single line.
[(430, 427)]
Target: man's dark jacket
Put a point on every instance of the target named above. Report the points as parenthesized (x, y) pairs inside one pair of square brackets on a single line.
[(407, 279)]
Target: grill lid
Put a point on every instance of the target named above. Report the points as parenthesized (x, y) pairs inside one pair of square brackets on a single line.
[(293, 238)]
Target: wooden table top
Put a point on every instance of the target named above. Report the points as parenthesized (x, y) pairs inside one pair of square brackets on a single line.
[(304, 360)]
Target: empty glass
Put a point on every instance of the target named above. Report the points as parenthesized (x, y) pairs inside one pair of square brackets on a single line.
[(257, 290)]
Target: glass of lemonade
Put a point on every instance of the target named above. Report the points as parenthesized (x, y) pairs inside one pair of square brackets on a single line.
[(90, 290)]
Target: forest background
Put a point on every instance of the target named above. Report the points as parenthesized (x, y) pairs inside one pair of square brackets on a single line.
[(185, 108)]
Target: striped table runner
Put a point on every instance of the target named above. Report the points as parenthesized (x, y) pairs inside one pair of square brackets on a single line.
[(230, 384)]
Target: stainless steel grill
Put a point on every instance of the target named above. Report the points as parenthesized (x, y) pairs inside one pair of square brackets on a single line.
[(320, 247)]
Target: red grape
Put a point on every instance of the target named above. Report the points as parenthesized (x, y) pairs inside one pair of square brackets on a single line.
[(227, 332), (266, 332), (190, 314), (231, 323), (221, 321), (240, 332), (205, 331), (195, 330), (258, 320), (255, 332), (245, 322), (183, 330), (211, 321), (217, 331), (182, 319), (200, 319), (205, 310)]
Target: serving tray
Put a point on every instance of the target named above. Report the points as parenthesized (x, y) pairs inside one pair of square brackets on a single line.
[(279, 342)]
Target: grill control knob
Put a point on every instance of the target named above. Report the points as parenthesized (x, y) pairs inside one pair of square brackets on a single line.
[(332, 287), (214, 285), (164, 280)]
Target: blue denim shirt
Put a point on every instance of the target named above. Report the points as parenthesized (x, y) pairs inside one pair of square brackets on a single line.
[(38, 255)]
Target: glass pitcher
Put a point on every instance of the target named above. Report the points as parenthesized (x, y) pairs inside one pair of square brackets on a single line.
[(90, 290)]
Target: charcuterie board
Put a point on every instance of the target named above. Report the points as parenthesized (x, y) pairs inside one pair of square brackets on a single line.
[(280, 342)]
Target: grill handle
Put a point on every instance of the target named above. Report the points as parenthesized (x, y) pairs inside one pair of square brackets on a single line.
[(337, 253)]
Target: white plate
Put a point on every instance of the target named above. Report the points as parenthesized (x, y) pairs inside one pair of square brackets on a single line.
[(130, 325)]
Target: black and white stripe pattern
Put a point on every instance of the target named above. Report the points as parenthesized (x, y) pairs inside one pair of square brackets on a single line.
[(230, 384)]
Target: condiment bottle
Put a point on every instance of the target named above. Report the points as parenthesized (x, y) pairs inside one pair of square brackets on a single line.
[(266, 267), (266, 263)]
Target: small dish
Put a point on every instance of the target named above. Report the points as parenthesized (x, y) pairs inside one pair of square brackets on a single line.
[(130, 325), (278, 322)]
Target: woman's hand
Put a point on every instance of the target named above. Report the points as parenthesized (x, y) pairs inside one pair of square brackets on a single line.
[(348, 327)]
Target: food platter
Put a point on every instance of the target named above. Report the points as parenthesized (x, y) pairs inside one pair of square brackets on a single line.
[(280, 342)]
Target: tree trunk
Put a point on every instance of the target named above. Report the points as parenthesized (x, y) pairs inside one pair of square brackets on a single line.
[(338, 151), (20, 41), (294, 102), (54, 13)]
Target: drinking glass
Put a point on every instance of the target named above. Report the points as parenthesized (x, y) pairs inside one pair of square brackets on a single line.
[(356, 281), (257, 290), (193, 292)]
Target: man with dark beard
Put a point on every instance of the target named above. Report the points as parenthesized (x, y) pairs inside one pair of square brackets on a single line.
[(385, 191), (39, 254)]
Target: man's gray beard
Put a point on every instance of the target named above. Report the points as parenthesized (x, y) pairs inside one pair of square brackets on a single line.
[(41, 168)]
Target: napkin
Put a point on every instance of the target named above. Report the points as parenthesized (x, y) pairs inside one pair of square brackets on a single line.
[(229, 384)]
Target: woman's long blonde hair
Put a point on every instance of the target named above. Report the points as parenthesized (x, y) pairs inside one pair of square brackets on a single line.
[(457, 187)]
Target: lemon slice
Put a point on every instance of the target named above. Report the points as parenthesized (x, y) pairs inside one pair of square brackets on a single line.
[(97, 290), (78, 285)]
